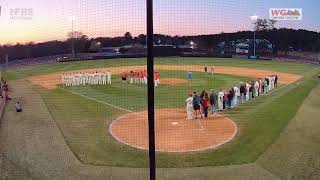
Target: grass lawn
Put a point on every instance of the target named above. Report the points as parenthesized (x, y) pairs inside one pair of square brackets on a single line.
[(84, 123)]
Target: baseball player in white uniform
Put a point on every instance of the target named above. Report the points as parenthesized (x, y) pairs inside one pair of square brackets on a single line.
[(189, 102), (81, 76), (103, 78), (236, 98), (109, 75), (68, 79), (73, 77), (96, 78), (63, 79), (86, 78), (220, 99), (91, 78), (247, 89), (100, 78), (270, 82), (256, 88)]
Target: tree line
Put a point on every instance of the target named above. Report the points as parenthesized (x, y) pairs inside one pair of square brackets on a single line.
[(283, 39)]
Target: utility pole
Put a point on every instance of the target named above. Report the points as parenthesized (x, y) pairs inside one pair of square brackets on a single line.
[(7, 61), (73, 53)]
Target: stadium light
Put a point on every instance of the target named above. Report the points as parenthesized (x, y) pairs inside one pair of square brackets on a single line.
[(254, 18)]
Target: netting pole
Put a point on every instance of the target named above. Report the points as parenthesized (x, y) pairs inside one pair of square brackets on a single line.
[(150, 70)]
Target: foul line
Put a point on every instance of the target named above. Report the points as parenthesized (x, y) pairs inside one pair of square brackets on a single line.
[(93, 99)]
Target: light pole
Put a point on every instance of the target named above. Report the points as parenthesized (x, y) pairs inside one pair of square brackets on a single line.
[(254, 18), (72, 19)]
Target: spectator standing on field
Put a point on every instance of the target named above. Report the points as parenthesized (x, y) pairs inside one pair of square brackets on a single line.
[(213, 101), (18, 107), (251, 91), (265, 83), (196, 104), (275, 80), (225, 98), (242, 92), (201, 97), (205, 104)]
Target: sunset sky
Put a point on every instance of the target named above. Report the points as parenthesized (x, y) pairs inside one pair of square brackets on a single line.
[(51, 18)]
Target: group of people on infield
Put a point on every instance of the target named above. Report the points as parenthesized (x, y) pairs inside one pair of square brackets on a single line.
[(86, 78), (227, 99), (139, 77)]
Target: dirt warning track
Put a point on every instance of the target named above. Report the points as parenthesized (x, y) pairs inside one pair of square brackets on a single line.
[(50, 81)]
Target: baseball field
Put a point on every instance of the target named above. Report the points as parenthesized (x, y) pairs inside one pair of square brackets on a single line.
[(102, 129)]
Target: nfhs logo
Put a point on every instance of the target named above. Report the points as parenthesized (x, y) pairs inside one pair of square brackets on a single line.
[(17, 13)]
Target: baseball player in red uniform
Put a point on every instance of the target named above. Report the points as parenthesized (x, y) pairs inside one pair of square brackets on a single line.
[(156, 78)]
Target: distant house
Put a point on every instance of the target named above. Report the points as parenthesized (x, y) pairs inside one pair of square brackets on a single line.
[(110, 50), (244, 46)]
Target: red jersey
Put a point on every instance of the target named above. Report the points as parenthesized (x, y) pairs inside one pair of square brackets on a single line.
[(136, 74), (156, 76), (123, 75), (141, 75)]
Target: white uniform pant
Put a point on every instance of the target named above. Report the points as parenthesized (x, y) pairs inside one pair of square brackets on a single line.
[(156, 82), (190, 112), (145, 80), (104, 80), (220, 105)]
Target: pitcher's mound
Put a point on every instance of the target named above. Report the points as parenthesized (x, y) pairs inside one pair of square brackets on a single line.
[(173, 132)]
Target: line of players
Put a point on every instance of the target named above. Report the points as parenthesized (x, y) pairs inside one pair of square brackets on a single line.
[(139, 77), (86, 78), (227, 99)]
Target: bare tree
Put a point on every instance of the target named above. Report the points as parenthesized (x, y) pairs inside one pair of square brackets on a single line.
[(264, 24)]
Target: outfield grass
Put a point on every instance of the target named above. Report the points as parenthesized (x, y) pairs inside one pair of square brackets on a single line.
[(49, 68), (84, 123)]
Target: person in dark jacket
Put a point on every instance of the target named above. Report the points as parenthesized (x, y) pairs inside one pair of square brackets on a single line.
[(213, 101), (18, 107), (242, 92), (275, 81), (230, 97), (251, 91), (196, 104), (225, 98), (201, 97)]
